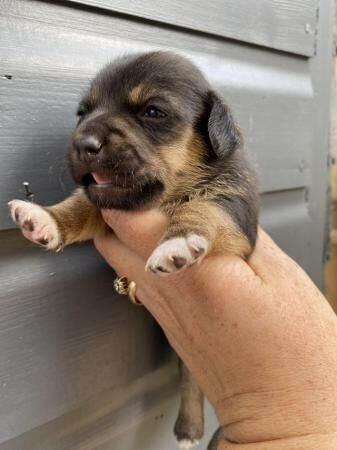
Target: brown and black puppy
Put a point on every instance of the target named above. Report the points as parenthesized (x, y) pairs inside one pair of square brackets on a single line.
[(152, 133)]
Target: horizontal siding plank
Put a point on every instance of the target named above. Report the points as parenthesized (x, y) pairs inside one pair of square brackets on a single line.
[(111, 415), (287, 25), (285, 215), (146, 408), (66, 337)]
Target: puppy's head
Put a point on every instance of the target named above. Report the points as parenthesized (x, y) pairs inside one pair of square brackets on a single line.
[(146, 122)]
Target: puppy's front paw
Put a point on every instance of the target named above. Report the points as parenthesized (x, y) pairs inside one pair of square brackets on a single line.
[(177, 254), (36, 224)]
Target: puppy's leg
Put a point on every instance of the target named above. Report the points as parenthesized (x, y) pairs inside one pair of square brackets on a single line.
[(73, 220), (189, 426), (196, 229)]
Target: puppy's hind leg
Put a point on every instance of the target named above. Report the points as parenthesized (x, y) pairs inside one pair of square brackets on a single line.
[(189, 426)]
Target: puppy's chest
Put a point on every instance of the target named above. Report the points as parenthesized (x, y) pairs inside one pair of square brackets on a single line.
[(203, 190), (180, 199)]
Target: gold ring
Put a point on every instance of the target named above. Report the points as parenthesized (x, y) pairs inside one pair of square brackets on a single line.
[(132, 293), (121, 285), (125, 287)]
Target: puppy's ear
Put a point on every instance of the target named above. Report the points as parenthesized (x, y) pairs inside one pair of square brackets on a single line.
[(224, 135)]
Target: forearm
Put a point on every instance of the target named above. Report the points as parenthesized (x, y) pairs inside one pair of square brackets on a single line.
[(77, 218), (258, 337), (306, 442)]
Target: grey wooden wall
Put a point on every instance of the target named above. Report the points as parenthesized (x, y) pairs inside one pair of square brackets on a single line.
[(80, 368)]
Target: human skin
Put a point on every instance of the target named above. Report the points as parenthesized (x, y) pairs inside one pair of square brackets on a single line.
[(258, 336)]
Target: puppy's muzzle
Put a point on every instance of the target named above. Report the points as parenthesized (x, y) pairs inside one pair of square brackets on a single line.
[(93, 151), (102, 159)]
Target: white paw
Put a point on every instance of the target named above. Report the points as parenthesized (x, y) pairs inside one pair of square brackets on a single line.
[(186, 444), (36, 224), (177, 254)]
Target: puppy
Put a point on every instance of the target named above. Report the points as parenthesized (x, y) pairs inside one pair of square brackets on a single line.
[(152, 133)]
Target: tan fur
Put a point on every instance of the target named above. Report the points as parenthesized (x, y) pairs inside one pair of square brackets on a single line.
[(206, 218), (77, 218), (182, 161), (136, 93), (229, 237), (181, 154), (141, 93), (185, 169)]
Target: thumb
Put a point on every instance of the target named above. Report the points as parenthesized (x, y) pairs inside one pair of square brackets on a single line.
[(139, 230), (126, 263)]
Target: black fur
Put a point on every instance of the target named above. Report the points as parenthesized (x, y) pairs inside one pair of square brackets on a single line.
[(224, 135)]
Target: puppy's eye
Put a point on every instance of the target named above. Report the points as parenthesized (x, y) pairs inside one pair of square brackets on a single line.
[(154, 112), (81, 112)]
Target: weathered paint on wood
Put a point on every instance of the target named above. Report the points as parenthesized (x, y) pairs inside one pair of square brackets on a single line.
[(288, 25), (65, 335)]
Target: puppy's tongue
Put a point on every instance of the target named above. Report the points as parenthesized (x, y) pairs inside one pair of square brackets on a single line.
[(100, 179)]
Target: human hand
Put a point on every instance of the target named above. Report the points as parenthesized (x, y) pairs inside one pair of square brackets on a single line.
[(258, 336)]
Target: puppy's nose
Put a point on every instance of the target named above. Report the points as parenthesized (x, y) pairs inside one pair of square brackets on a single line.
[(89, 144)]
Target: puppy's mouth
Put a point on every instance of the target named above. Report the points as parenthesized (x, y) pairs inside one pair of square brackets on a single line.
[(100, 179), (121, 180), (121, 190)]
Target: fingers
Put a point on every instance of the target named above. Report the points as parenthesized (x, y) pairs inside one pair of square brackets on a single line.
[(122, 259), (139, 230), (127, 263)]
